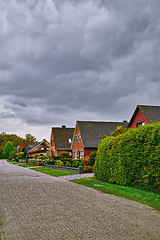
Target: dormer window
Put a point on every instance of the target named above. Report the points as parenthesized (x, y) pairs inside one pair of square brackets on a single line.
[(141, 123), (70, 140)]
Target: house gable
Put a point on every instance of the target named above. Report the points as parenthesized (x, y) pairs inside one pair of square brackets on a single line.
[(144, 114), (77, 144), (40, 148)]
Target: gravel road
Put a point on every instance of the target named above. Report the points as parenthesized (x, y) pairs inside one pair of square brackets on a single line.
[(35, 206)]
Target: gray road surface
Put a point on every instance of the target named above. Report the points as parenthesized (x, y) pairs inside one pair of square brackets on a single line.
[(35, 206)]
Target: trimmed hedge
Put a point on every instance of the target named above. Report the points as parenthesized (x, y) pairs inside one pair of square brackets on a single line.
[(131, 158)]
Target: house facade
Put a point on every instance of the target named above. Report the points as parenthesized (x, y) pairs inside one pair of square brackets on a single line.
[(41, 148), (60, 141), (87, 136), (143, 115)]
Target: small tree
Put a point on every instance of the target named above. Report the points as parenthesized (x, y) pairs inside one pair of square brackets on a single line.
[(8, 148), (20, 155)]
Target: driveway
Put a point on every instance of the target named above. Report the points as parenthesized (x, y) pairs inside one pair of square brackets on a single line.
[(35, 206)]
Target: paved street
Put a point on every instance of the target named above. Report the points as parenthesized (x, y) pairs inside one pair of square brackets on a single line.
[(35, 206)]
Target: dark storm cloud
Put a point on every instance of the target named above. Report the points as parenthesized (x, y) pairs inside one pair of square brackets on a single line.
[(66, 60)]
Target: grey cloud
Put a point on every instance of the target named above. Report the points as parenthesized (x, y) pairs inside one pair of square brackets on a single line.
[(69, 60)]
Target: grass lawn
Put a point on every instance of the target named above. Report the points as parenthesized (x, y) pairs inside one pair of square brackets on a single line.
[(53, 172), (149, 198), (21, 164)]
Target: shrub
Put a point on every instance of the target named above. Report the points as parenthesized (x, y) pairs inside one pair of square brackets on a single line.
[(12, 155), (77, 163), (64, 157), (50, 161), (131, 158), (92, 158), (86, 162), (59, 163), (88, 169), (68, 164), (20, 155), (36, 156)]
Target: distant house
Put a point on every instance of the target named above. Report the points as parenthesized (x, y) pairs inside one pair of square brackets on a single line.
[(144, 114), (87, 136), (41, 148), (61, 139), (24, 145)]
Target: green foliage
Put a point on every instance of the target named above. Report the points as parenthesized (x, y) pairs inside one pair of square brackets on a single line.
[(131, 158), (119, 130), (59, 163), (37, 156), (20, 155), (12, 155), (4, 138), (77, 163), (65, 157), (92, 158), (8, 148), (30, 138), (24, 151), (68, 164), (88, 169)]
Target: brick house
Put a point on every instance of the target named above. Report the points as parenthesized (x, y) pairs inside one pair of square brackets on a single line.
[(87, 136), (144, 114), (41, 148), (61, 139)]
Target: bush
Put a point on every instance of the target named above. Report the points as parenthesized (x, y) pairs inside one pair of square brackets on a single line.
[(65, 157), (12, 155), (59, 163), (36, 156), (68, 164), (77, 163), (131, 158), (86, 162), (88, 169), (20, 155), (92, 158), (50, 161)]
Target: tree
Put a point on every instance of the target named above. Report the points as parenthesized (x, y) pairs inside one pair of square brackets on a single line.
[(30, 138), (8, 148)]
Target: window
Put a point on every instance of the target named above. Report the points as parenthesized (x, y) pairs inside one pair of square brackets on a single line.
[(42, 148), (141, 123), (70, 140), (79, 138), (47, 147), (76, 138), (70, 153), (80, 154), (75, 154)]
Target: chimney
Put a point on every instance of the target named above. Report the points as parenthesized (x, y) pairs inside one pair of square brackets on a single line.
[(63, 128), (124, 120)]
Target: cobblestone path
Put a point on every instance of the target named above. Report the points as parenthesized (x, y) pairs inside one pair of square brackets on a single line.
[(35, 206)]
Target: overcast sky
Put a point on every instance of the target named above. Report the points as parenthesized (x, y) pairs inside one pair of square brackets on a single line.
[(68, 60)]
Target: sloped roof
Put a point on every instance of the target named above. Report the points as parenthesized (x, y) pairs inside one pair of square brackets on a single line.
[(31, 147), (152, 113), (90, 131), (25, 144), (61, 138)]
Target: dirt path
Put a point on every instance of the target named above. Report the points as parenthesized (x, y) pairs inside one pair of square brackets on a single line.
[(39, 207)]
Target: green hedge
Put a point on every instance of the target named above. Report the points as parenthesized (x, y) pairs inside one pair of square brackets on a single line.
[(131, 158)]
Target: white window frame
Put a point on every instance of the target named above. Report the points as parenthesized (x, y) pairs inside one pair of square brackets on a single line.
[(75, 154), (79, 138), (80, 154)]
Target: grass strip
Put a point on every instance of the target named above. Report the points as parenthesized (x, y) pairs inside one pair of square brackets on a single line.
[(21, 164), (53, 172), (146, 197)]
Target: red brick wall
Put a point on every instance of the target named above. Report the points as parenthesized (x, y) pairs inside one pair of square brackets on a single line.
[(77, 146), (87, 152), (53, 151), (139, 117)]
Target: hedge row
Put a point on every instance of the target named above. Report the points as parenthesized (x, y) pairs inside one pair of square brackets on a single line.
[(131, 158)]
